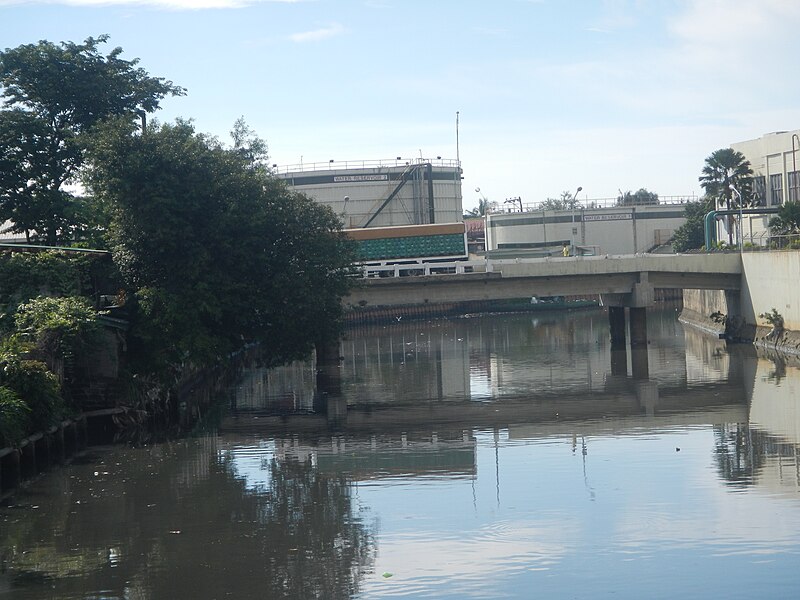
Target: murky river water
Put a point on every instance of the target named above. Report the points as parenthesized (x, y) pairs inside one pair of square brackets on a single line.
[(492, 457)]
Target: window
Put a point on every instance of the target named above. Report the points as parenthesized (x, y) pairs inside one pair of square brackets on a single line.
[(759, 190), (794, 186), (776, 189)]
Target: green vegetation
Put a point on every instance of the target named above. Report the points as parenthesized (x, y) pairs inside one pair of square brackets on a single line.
[(727, 180), (54, 95), (214, 251), (787, 221), (210, 251), (639, 198), (14, 414), (691, 235)]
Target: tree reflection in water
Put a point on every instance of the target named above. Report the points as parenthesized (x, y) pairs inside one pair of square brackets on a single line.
[(740, 453), (176, 521)]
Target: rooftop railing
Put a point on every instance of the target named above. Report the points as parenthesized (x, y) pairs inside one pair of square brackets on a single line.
[(335, 165), (592, 203)]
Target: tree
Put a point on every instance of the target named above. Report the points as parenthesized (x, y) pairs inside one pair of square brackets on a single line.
[(484, 206), (566, 201), (787, 221), (52, 96), (216, 252), (640, 198), (691, 235), (727, 180)]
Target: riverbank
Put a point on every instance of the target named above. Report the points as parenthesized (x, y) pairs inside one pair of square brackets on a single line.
[(765, 313)]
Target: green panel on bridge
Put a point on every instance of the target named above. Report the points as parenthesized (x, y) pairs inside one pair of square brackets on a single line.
[(412, 247)]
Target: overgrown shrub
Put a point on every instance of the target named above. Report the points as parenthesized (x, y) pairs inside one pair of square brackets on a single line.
[(58, 326), (26, 275), (14, 416), (33, 383)]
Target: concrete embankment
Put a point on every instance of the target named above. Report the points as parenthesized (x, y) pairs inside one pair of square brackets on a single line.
[(766, 312)]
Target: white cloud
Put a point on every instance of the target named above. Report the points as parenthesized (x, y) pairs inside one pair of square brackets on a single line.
[(317, 35)]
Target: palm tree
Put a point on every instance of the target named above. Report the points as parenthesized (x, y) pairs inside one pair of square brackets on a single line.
[(727, 180), (484, 206)]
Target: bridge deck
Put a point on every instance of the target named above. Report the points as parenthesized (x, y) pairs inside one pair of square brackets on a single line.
[(572, 276)]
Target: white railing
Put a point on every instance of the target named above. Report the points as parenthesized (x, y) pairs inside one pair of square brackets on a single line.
[(333, 165), (591, 203), (458, 267)]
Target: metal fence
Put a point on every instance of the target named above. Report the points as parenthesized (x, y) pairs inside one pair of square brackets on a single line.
[(588, 204)]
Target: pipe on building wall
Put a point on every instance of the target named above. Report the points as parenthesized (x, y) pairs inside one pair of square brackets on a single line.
[(711, 231), (431, 207)]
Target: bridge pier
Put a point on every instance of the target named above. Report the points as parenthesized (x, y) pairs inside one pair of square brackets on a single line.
[(638, 324), (616, 321), (328, 396)]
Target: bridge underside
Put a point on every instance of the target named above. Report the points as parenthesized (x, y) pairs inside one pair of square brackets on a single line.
[(622, 289)]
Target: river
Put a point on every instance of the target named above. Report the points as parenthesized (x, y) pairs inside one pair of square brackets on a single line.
[(510, 456)]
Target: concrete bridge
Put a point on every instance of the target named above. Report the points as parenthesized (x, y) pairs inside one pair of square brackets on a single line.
[(624, 280), (620, 281)]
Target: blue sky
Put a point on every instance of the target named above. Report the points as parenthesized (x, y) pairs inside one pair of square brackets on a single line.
[(551, 94)]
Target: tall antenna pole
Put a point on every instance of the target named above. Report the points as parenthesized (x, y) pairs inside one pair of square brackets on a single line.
[(458, 155)]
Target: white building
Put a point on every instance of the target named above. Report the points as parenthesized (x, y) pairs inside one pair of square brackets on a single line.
[(382, 192), (612, 230), (774, 160)]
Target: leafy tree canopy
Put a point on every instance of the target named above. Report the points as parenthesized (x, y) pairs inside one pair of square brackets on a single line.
[(566, 201), (639, 198), (52, 94), (787, 221), (484, 206), (217, 253), (691, 235), (727, 178)]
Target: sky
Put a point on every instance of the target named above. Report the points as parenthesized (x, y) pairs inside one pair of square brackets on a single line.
[(536, 97)]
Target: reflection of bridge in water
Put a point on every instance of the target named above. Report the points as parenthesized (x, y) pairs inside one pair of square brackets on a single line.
[(426, 427), (465, 374)]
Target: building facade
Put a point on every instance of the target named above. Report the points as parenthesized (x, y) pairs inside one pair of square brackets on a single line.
[(774, 160), (588, 231), (383, 192)]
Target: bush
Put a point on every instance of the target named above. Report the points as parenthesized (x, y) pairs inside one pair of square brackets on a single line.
[(57, 326), (33, 383), (14, 417), (26, 275)]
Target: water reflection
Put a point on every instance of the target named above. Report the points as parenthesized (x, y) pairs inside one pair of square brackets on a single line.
[(483, 458), (176, 521)]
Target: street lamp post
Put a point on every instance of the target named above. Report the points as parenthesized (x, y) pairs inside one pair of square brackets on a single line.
[(572, 231), (794, 166), (741, 216)]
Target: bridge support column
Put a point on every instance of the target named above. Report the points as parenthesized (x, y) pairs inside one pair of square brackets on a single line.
[(619, 361), (639, 366), (616, 321), (638, 321), (328, 395)]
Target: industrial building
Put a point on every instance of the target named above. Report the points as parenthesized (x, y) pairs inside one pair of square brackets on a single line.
[(381, 193), (587, 231), (773, 158)]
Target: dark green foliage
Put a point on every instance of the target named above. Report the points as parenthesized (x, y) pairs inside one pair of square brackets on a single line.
[(33, 383), (725, 168), (14, 415), (59, 327), (691, 235), (26, 275), (53, 94), (216, 252), (787, 221), (640, 198)]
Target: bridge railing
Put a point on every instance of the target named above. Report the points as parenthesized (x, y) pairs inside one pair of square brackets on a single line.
[(437, 268)]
